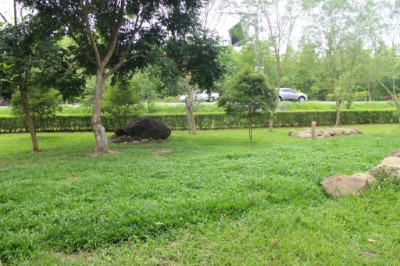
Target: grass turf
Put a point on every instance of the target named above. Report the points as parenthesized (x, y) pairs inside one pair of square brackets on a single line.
[(211, 199)]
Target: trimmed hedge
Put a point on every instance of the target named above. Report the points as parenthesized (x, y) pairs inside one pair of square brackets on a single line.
[(205, 121)]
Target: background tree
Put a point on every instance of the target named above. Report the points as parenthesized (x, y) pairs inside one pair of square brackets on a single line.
[(248, 96), (113, 36), (5, 80), (338, 25), (122, 100), (280, 17), (196, 58), (388, 73), (148, 88), (42, 103)]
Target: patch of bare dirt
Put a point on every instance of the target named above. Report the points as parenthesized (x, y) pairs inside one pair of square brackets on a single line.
[(159, 153), (109, 152), (75, 257), (72, 178)]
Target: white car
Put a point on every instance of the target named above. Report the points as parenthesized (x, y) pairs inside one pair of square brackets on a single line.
[(289, 94), (201, 96)]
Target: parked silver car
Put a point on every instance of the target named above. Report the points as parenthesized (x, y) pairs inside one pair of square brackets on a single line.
[(288, 94), (201, 96)]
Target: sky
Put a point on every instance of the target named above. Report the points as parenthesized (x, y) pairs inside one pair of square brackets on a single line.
[(6, 8)]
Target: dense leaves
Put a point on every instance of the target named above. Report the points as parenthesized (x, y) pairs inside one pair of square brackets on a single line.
[(249, 95), (197, 56)]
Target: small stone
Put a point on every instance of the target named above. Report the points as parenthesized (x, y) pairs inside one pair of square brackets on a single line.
[(338, 130), (292, 133), (346, 132), (144, 141), (326, 134), (304, 134)]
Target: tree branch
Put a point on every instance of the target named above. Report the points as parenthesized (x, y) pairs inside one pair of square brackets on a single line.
[(114, 40), (86, 54), (4, 18), (128, 48), (387, 89), (89, 32)]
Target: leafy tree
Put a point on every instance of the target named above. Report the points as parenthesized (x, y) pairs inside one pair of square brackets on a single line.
[(114, 37), (42, 103), (338, 25), (196, 58), (388, 70), (165, 70), (280, 17), (38, 65), (5, 80), (248, 96), (148, 88), (122, 100)]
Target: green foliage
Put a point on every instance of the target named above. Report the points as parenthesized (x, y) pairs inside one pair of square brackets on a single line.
[(43, 103), (205, 121), (253, 203), (148, 89), (248, 96), (123, 99), (196, 56)]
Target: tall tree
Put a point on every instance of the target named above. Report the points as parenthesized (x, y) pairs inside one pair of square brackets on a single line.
[(37, 63), (197, 59), (114, 36), (388, 61), (338, 25), (248, 96), (276, 20)]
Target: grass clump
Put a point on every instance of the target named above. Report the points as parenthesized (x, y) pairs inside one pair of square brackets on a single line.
[(211, 199)]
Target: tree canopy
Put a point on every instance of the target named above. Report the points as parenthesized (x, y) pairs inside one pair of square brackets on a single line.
[(114, 37)]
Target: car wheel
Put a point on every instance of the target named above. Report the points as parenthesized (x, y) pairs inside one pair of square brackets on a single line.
[(279, 99), (211, 99), (302, 99)]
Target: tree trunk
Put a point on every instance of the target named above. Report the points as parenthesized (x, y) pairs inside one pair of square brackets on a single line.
[(271, 121), (29, 120), (189, 107), (337, 123), (278, 84), (97, 128), (369, 91), (251, 127)]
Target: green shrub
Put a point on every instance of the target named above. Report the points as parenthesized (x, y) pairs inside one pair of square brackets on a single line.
[(205, 121)]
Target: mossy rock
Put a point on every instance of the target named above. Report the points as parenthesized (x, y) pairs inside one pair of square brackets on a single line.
[(388, 170)]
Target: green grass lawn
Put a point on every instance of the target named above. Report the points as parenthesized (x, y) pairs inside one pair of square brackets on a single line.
[(210, 199)]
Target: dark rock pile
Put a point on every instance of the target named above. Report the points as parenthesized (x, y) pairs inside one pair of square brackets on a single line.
[(142, 130)]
